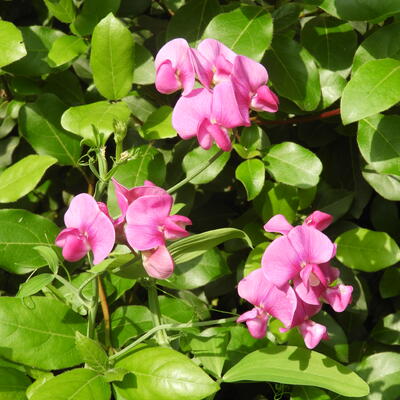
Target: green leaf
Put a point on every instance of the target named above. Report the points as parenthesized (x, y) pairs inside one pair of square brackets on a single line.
[(367, 250), (139, 106), (34, 328), (332, 85), (50, 256), (330, 41), (285, 16), (379, 144), (382, 372), (41, 380), (39, 123), (193, 246), (91, 352), (296, 366), (388, 329), (175, 310), (253, 141), (247, 30), (63, 10), (91, 13), (20, 232), (199, 156), (13, 384), (111, 58), (387, 186), (293, 72), (336, 202), (23, 176), (34, 285), (372, 89), (198, 272), (7, 148), (190, 20), (252, 174), (115, 374), (163, 374), (308, 393), (38, 41), (144, 72), (382, 43), (293, 164), (65, 49), (78, 384), (388, 285), (12, 47), (79, 120), (158, 125)]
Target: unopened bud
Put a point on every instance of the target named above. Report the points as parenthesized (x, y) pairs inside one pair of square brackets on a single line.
[(120, 129)]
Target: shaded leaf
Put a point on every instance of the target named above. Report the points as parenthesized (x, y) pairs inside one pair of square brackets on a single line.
[(65, 49)]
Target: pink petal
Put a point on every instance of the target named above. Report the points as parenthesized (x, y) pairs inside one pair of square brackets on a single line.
[(74, 244), (186, 75), (313, 333), (307, 293), (339, 297), (249, 73), (254, 287), (280, 262), (149, 210), (265, 100), (319, 220), (144, 237), (257, 327), (303, 311), (82, 211), (221, 137), (158, 263), (176, 51), (331, 273), (278, 223), (166, 80), (190, 111), (101, 237), (311, 245), (175, 227), (203, 135), (202, 67)]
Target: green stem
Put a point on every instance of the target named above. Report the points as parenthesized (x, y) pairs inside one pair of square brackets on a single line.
[(171, 327), (73, 289), (92, 312), (154, 306), (102, 164), (196, 172)]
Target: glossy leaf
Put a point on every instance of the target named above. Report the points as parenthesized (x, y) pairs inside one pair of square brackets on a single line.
[(111, 58), (387, 186), (193, 246), (164, 374), (296, 366), (199, 156), (79, 120), (367, 250), (91, 352), (388, 329), (252, 174), (12, 47), (372, 89), (39, 123), (176, 310), (13, 384), (388, 285), (158, 125), (293, 164), (20, 232), (33, 328), (63, 10), (65, 49), (190, 20), (77, 384), (332, 85), (34, 285), (144, 72), (23, 176), (7, 146), (50, 256), (253, 142), (293, 72), (379, 143), (247, 30)]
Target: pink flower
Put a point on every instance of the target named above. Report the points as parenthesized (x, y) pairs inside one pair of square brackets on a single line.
[(209, 116), (268, 301), (149, 225), (174, 67), (87, 228)]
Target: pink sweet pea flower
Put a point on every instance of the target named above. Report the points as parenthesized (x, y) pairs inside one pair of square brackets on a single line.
[(174, 68), (149, 225), (209, 116), (268, 301), (87, 228)]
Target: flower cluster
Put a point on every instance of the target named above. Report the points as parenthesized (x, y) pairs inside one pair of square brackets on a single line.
[(145, 224), (232, 84), (294, 280)]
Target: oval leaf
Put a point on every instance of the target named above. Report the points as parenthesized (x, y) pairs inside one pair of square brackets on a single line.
[(297, 366), (387, 186), (252, 174), (158, 125), (293, 164), (163, 374), (13, 384), (246, 30), (65, 49), (22, 177), (11, 43), (33, 328), (367, 250), (78, 384), (372, 89), (388, 329), (34, 285), (111, 58), (63, 10)]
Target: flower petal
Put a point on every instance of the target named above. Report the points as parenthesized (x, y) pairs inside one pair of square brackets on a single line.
[(81, 213), (319, 220), (75, 245), (249, 73), (221, 137), (278, 223), (158, 263), (175, 227), (339, 297), (166, 80), (257, 327), (313, 333), (265, 100)]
